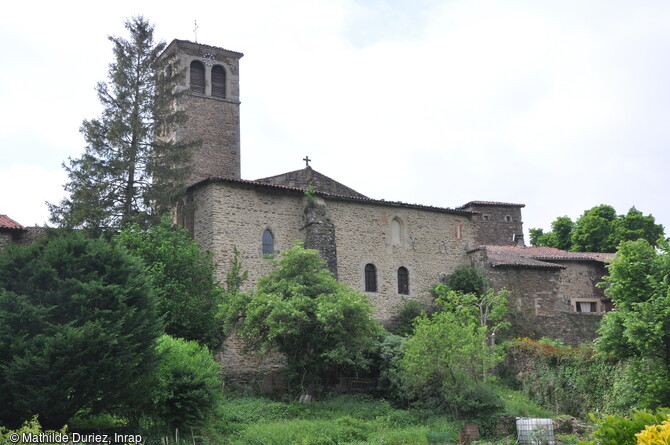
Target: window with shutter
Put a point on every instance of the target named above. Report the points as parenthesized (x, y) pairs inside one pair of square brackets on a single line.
[(197, 77), (219, 82)]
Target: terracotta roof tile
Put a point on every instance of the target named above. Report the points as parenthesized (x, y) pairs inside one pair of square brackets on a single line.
[(490, 203), (8, 223), (541, 257)]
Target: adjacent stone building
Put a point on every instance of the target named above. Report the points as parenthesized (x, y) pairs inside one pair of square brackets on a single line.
[(391, 251)]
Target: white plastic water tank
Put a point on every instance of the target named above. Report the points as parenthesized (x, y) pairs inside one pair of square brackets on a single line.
[(535, 431)]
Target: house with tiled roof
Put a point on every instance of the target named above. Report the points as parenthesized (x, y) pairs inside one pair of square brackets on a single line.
[(554, 293), (11, 232)]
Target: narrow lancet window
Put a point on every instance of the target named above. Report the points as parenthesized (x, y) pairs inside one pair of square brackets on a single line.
[(403, 281), (268, 244), (370, 278)]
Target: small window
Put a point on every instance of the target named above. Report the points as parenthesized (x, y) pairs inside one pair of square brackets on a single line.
[(219, 82), (268, 244), (486, 217), (197, 77), (370, 278), (403, 281), (508, 218), (586, 306)]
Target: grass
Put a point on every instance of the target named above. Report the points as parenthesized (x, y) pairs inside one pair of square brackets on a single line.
[(338, 420), (343, 419)]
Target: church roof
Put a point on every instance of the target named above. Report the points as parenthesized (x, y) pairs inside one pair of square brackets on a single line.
[(308, 177), (537, 256), (8, 223), (301, 190)]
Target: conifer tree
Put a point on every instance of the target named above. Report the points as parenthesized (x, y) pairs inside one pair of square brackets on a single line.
[(133, 168)]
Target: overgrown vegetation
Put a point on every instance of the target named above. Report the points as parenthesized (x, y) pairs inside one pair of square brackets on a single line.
[(77, 330), (300, 310), (187, 294), (566, 380), (639, 329)]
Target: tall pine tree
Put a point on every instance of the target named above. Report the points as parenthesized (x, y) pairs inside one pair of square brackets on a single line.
[(133, 168)]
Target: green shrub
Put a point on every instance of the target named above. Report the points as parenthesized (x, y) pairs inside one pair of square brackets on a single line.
[(385, 366), (32, 429), (620, 430), (406, 318), (186, 385), (77, 330), (565, 380)]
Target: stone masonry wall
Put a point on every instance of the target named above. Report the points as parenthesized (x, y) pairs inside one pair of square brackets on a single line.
[(216, 124), (431, 243), (229, 214), (540, 300), (213, 121), (493, 227)]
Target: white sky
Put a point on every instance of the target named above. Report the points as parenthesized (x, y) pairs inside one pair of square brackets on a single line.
[(561, 105)]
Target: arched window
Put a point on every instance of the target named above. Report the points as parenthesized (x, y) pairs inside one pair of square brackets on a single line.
[(219, 82), (370, 278), (403, 281), (268, 243), (197, 77), (396, 231)]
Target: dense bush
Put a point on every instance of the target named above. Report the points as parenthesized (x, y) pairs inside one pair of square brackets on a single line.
[(302, 311), (77, 330), (184, 280), (405, 320), (385, 365), (567, 380), (445, 363), (468, 280), (655, 434), (186, 387), (621, 430), (33, 430)]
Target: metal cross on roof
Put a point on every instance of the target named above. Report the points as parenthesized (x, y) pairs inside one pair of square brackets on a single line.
[(195, 30), (307, 160)]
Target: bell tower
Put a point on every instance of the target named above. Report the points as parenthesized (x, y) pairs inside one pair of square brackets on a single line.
[(212, 104)]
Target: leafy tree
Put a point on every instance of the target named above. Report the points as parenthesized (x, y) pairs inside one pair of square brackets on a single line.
[(487, 310), (467, 279), (186, 386), (638, 329), (634, 225), (559, 237), (300, 310), (77, 330), (187, 294), (599, 229), (444, 365), (595, 230), (133, 169)]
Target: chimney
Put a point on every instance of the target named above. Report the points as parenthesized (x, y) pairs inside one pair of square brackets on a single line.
[(518, 237)]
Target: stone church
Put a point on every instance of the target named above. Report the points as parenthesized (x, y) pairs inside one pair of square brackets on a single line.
[(391, 251)]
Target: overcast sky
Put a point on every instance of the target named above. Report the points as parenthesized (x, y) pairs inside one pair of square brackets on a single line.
[(560, 105)]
